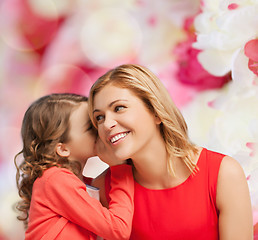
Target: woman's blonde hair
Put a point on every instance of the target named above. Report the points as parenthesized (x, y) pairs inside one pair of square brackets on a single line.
[(145, 85), (46, 123)]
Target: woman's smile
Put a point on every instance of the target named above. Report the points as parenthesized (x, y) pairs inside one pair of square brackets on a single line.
[(117, 137)]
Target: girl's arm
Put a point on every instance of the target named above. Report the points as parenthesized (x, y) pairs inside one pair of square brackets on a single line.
[(68, 197), (233, 202)]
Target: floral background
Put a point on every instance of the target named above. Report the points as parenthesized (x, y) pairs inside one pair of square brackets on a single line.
[(205, 52)]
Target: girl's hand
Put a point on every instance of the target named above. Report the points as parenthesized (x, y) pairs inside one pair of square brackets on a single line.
[(105, 153)]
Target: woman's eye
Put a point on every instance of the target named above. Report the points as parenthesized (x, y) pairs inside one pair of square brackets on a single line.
[(99, 118), (118, 108)]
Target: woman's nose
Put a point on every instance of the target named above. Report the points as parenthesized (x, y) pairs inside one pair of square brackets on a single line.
[(109, 122)]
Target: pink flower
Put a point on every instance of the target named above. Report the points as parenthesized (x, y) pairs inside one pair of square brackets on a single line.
[(251, 51), (232, 6), (190, 71), (256, 231)]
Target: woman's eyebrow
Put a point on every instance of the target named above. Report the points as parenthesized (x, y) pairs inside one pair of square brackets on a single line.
[(111, 104)]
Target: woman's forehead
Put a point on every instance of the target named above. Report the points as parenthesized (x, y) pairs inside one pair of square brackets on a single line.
[(112, 93)]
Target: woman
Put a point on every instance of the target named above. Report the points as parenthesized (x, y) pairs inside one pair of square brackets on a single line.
[(182, 191)]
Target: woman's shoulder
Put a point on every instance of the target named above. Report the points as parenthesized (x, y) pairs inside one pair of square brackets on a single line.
[(226, 166), (212, 160), (230, 169), (231, 176), (233, 200), (214, 155)]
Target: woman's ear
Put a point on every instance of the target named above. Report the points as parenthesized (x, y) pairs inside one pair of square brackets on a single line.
[(157, 120), (62, 150)]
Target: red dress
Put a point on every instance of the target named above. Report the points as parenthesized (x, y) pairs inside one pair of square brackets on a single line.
[(187, 211)]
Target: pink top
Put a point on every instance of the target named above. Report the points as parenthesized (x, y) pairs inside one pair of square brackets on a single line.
[(187, 211), (61, 208)]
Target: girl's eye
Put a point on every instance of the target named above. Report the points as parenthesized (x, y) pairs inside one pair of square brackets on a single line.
[(118, 108)]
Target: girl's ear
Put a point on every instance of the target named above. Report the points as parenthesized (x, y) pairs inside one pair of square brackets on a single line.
[(62, 150)]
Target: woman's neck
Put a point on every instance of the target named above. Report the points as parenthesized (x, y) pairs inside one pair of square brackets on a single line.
[(150, 166), (151, 170)]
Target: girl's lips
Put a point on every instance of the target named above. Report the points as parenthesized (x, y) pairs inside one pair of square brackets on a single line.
[(116, 137)]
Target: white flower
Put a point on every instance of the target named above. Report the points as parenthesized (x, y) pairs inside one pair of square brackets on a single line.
[(223, 28)]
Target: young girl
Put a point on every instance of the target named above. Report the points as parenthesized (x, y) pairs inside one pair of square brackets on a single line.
[(182, 191), (57, 141)]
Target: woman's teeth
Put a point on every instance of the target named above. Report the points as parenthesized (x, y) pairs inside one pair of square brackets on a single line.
[(117, 137)]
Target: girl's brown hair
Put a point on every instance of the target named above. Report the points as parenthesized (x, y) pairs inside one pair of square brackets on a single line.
[(145, 85), (46, 123)]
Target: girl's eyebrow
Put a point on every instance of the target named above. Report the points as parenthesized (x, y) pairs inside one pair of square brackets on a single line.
[(111, 104)]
